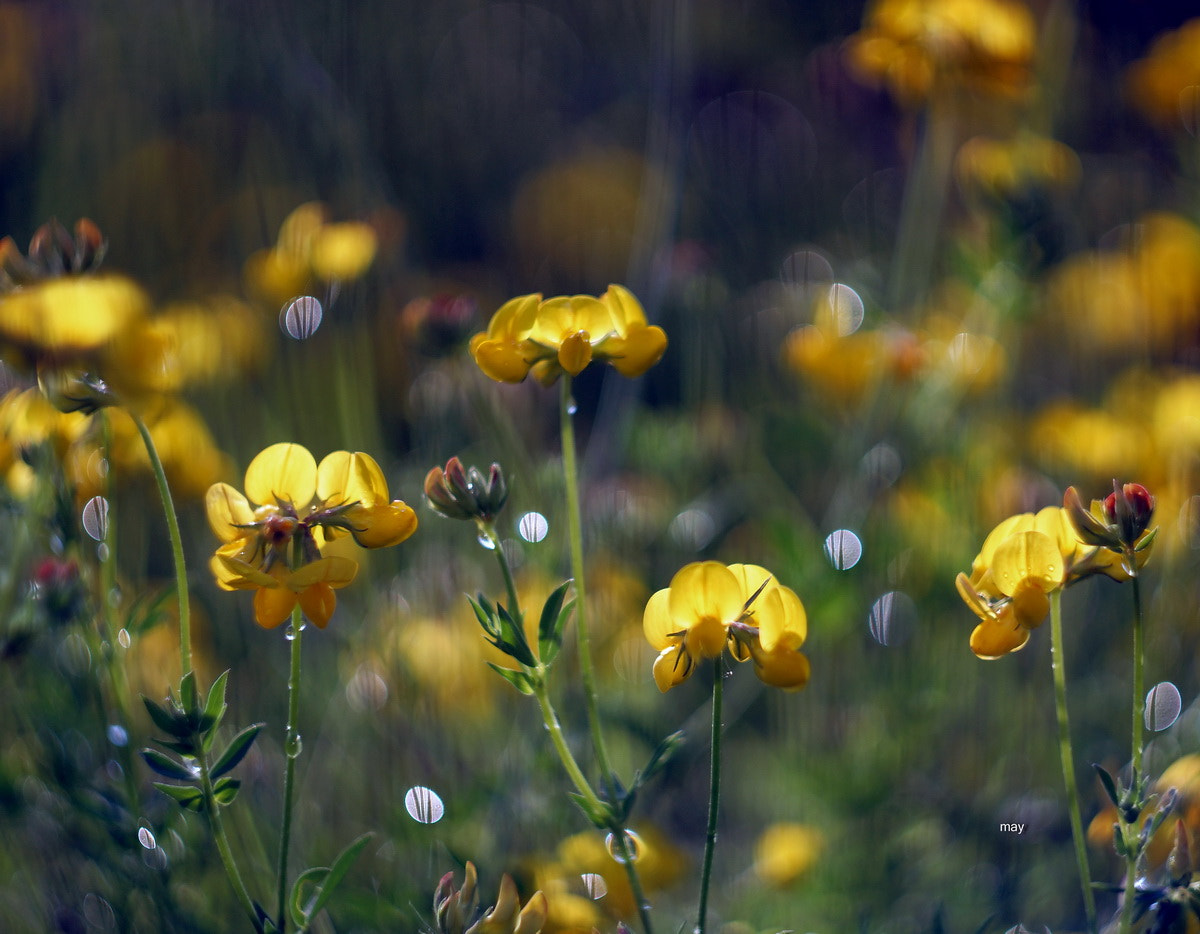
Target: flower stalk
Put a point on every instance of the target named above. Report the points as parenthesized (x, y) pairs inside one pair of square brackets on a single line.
[(181, 584), (714, 796), (291, 751), (1058, 664)]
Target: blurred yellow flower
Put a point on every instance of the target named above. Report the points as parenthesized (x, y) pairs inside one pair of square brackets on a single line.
[(1004, 168), (785, 852), (709, 606), (660, 864), (916, 46), (564, 334), (310, 249), (275, 548), (1158, 84)]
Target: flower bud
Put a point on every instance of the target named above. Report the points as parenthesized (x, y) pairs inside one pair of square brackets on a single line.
[(460, 493), (1129, 508)]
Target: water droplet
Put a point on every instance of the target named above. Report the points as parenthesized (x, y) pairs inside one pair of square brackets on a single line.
[(533, 526), (594, 885), (693, 528), (1163, 705), (892, 618), (98, 913), (572, 407), (117, 735), (124, 639), (102, 551), (291, 631), (423, 805), (146, 838), (301, 317), (295, 746), (847, 309), (95, 518), (843, 549), (633, 843), (486, 542), (366, 690)]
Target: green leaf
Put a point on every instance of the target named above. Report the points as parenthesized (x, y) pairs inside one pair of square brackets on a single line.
[(226, 790), (486, 621), (514, 637), (236, 750), (600, 817), (1110, 785), (550, 625), (518, 679), (167, 767), (185, 796), (214, 704), (164, 720), (329, 880), (187, 693)]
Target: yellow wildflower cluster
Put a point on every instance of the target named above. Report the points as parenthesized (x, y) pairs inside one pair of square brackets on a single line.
[(552, 336), (309, 250), (1002, 168), (1022, 561), (710, 606), (275, 547), (915, 46)]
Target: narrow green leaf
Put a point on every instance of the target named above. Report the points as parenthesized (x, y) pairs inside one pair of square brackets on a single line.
[(1110, 785), (236, 750), (300, 887), (226, 790), (163, 720), (514, 635), (548, 623), (486, 621), (185, 747), (187, 693), (599, 817), (184, 795), (337, 872), (167, 767), (517, 679), (214, 705)]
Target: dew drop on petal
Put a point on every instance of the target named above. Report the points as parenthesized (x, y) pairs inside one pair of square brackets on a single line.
[(146, 838), (533, 526), (1163, 705), (301, 317), (843, 549), (892, 618), (594, 885), (633, 843), (423, 805), (95, 518)]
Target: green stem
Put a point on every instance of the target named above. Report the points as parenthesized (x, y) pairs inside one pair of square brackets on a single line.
[(118, 684), (213, 810), (488, 531), (714, 796), (575, 523), (1059, 666), (291, 753), (181, 584), (1129, 830)]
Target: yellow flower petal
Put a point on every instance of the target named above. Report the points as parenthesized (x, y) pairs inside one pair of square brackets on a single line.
[(782, 667), (672, 667), (383, 525), (1028, 556), (333, 570), (318, 603), (626, 311), (657, 623), (705, 597), (226, 509), (273, 605), (997, 636), (634, 355), (502, 361), (282, 473), (575, 352)]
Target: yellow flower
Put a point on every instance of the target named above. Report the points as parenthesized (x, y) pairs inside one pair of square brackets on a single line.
[(310, 249), (564, 334), (708, 606), (275, 547), (785, 852), (1157, 84), (916, 46), (1023, 560)]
